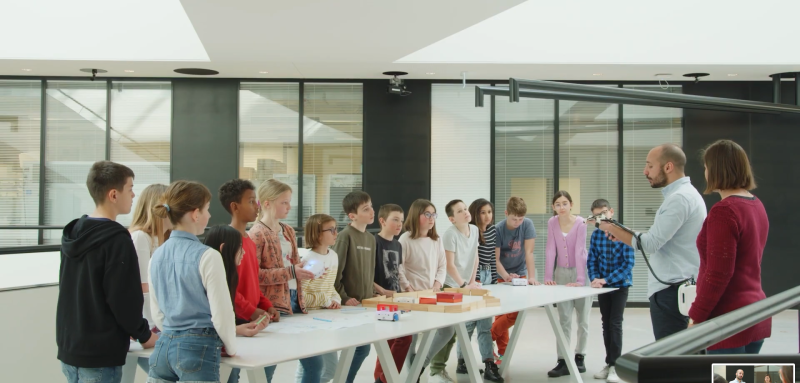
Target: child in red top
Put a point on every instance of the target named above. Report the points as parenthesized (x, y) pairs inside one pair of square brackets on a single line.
[(238, 197)]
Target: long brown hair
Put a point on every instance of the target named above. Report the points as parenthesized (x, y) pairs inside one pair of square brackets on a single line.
[(412, 222), (180, 198), (559, 194), (143, 217), (232, 238), (475, 211)]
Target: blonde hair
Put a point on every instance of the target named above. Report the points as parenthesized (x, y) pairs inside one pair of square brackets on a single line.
[(313, 229), (412, 223), (143, 217), (270, 190)]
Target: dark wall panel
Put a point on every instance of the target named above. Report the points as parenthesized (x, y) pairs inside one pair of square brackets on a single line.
[(771, 143), (397, 144), (205, 135)]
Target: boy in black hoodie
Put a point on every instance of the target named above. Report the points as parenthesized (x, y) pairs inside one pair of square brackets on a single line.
[(100, 297)]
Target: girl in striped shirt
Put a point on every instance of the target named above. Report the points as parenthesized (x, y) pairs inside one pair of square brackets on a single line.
[(320, 293), (482, 213)]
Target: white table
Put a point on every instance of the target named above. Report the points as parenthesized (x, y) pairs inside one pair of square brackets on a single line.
[(267, 349)]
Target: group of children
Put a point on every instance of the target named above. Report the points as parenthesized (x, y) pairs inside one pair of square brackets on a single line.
[(196, 297)]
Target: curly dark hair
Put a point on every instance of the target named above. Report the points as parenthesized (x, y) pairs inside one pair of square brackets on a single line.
[(232, 191)]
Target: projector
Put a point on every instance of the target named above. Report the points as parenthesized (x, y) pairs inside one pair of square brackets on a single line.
[(396, 85)]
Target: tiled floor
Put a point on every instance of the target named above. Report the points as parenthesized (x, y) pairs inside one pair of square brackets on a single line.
[(535, 354)]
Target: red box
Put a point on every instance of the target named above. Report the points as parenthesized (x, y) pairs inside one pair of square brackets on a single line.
[(449, 297), (427, 301), (387, 307)]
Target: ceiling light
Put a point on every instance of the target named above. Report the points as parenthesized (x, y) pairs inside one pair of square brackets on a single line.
[(430, 73), (128, 71), (597, 74), (27, 70), (263, 72), (732, 74)]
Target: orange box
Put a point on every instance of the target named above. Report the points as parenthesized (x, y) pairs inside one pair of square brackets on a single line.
[(427, 301), (449, 297), (390, 308)]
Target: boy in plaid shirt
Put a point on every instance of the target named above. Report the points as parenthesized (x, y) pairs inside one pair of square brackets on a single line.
[(610, 264)]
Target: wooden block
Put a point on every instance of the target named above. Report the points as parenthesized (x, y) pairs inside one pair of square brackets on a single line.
[(427, 301), (454, 309), (491, 302), (436, 309)]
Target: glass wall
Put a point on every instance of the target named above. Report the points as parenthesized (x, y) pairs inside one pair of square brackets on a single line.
[(75, 139), (268, 135), (20, 139), (524, 162), (644, 127), (141, 117), (460, 163), (333, 127)]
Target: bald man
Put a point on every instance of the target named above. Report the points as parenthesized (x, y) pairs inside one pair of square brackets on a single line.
[(739, 377), (670, 243)]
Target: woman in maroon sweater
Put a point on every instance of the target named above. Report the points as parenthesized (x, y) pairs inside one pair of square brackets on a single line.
[(731, 245)]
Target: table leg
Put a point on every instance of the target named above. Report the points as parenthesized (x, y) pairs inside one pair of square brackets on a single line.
[(411, 374), (387, 361), (343, 367), (257, 375), (129, 369), (469, 354), (224, 372), (512, 341), (561, 342)]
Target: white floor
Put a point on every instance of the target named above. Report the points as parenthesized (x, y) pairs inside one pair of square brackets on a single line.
[(535, 354)]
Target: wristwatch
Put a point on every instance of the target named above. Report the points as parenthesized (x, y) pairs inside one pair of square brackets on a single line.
[(464, 284)]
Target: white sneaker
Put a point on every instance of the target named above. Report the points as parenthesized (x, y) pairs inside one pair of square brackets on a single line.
[(441, 377), (612, 375), (602, 374)]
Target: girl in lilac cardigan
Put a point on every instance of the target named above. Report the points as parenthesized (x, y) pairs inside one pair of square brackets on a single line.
[(565, 264)]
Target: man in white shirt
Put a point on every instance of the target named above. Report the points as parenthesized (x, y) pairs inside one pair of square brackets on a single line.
[(670, 243), (739, 377)]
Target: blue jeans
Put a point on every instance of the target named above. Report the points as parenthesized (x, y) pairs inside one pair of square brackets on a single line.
[(328, 369), (484, 338), (91, 375), (269, 371), (186, 355), (144, 363), (752, 348)]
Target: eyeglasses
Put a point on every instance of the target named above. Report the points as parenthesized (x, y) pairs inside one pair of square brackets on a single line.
[(430, 215), (332, 230)]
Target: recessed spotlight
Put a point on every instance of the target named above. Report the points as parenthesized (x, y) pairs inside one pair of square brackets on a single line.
[(430, 73), (128, 71), (27, 70), (597, 74), (732, 74), (263, 72)]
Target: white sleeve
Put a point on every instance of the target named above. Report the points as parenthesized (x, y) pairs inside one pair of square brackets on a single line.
[(155, 311), (141, 242), (212, 272)]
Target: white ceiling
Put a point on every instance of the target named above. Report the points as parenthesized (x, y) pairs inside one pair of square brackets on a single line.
[(569, 40)]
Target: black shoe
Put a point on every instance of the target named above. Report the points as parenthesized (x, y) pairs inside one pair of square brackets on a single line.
[(378, 380), (461, 368), (492, 373), (560, 369), (579, 361)]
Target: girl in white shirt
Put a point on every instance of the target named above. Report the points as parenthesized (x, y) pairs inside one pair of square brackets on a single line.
[(424, 264), (148, 232)]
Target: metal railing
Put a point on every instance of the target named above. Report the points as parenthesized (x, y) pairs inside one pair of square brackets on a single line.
[(670, 359), (56, 247)]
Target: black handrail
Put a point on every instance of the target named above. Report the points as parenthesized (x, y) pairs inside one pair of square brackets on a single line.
[(669, 359)]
